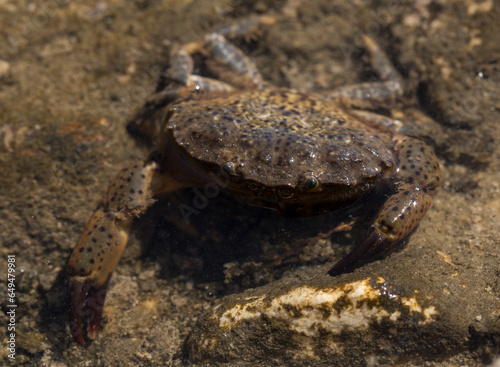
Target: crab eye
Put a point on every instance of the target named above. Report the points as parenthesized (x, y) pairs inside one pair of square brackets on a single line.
[(229, 168), (285, 193), (311, 182), (253, 186)]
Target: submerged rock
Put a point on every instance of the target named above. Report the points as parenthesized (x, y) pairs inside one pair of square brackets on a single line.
[(359, 322)]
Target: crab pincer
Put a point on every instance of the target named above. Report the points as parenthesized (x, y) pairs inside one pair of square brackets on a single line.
[(85, 295), (101, 245), (90, 268), (416, 178)]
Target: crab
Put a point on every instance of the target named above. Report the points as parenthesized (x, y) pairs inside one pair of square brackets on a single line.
[(302, 154)]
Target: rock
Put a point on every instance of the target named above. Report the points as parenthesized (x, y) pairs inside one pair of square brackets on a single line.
[(366, 321)]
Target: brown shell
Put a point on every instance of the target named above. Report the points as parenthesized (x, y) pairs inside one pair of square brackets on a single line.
[(279, 137)]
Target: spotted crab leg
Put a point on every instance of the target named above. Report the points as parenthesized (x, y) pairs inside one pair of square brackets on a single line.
[(104, 238), (418, 175)]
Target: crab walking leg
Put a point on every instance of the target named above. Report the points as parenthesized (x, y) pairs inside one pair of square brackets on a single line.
[(380, 62), (418, 176), (230, 63), (365, 95), (381, 122), (225, 60), (181, 71), (247, 26), (104, 238)]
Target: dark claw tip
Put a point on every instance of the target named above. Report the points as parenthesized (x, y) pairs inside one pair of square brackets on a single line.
[(371, 244), (88, 297), (78, 294)]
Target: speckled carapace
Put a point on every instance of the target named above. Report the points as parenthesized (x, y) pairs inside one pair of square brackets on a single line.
[(301, 154)]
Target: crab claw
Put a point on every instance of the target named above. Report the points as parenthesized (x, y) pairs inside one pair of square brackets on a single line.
[(396, 219), (78, 290), (88, 297), (374, 242), (90, 268), (101, 245)]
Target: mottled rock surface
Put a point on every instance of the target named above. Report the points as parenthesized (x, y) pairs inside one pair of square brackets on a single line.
[(299, 322)]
